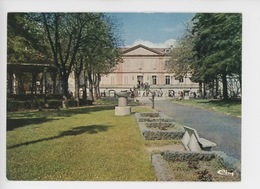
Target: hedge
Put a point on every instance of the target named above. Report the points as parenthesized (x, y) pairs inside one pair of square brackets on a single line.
[(16, 105), (24, 97)]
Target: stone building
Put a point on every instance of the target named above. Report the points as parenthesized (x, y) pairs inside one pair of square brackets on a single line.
[(144, 66)]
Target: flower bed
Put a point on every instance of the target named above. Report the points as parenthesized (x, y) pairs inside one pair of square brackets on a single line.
[(158, 126), (193, 166)]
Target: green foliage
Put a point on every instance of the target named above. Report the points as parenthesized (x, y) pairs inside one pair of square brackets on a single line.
[(181, 57), (66, 40), (15, 105), (25, 41), (217, 46)]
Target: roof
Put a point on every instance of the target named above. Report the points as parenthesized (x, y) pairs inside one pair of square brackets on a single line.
[(159, 51), (30, 67)]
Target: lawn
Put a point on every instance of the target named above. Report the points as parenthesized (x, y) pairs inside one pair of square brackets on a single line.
[(90, 144), (231, 107)]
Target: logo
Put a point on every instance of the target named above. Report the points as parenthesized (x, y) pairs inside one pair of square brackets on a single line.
[(225, 172)]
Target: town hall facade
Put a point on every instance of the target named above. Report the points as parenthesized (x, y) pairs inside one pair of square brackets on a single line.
[(143, 66)]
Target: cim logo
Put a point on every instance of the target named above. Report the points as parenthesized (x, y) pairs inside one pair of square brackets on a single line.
[(225, 172)]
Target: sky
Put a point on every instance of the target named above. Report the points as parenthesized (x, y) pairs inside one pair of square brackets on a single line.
[(151, 29)]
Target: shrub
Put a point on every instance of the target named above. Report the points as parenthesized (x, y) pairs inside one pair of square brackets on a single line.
[(16, 102), (15, 105), (54, 96), (54, 103), (25, 97), (83, 102)]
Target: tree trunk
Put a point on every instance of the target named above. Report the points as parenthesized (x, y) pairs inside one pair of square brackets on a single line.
[(10, 83), (41, 84), (84, 85), (90, 86), (204, 90), (77, 88), (96, 86), (33, 89), (20, 84), (54, 82), (212, 89), (200, 88), (225, 89), (217, 87), (64, 85)]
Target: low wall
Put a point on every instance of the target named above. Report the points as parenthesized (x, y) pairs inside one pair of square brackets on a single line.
[(188, 156), (161, 132), (162, 135)]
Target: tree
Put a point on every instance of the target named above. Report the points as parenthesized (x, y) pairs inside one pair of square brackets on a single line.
[(66, 33), (217, 46), (74, 40), (97, 55), (25, 44), (102, 54), (25, 41), (182, 56)]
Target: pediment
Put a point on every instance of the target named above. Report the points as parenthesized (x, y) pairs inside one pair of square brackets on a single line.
[(141, 50)]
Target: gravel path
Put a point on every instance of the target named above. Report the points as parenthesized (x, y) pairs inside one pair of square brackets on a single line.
[(219, 128)]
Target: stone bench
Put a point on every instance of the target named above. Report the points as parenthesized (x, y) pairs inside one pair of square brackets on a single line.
[(192, 141)]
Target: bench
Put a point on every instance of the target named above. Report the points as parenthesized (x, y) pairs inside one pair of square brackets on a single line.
[(192, 141)]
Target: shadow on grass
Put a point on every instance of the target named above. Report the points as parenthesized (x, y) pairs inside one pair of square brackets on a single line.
[(16, 123), (22, 119), (84, 110), (90, 129)]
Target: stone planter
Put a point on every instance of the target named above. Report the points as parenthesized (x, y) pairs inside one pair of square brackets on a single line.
[(122, 108)]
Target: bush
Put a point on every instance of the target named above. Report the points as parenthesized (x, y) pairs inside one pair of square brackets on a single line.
[(54, 96), (15, 105), (25, 97), (16, 102), (83, 102), (54, 103)]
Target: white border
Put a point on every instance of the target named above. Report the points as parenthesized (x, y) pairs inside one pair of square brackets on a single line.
[(251, 78)]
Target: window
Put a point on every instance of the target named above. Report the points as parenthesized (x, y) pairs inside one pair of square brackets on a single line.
[(112, 80), (154, 65), (166, 64), (181, 79), (167, 80), (140, 65), (125, 80), (154, 79)]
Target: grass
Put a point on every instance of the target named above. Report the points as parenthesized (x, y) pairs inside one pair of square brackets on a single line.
[(152, 143), (90, 144), (231, 107)]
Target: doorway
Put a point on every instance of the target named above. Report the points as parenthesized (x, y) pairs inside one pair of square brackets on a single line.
[(140, 79)]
